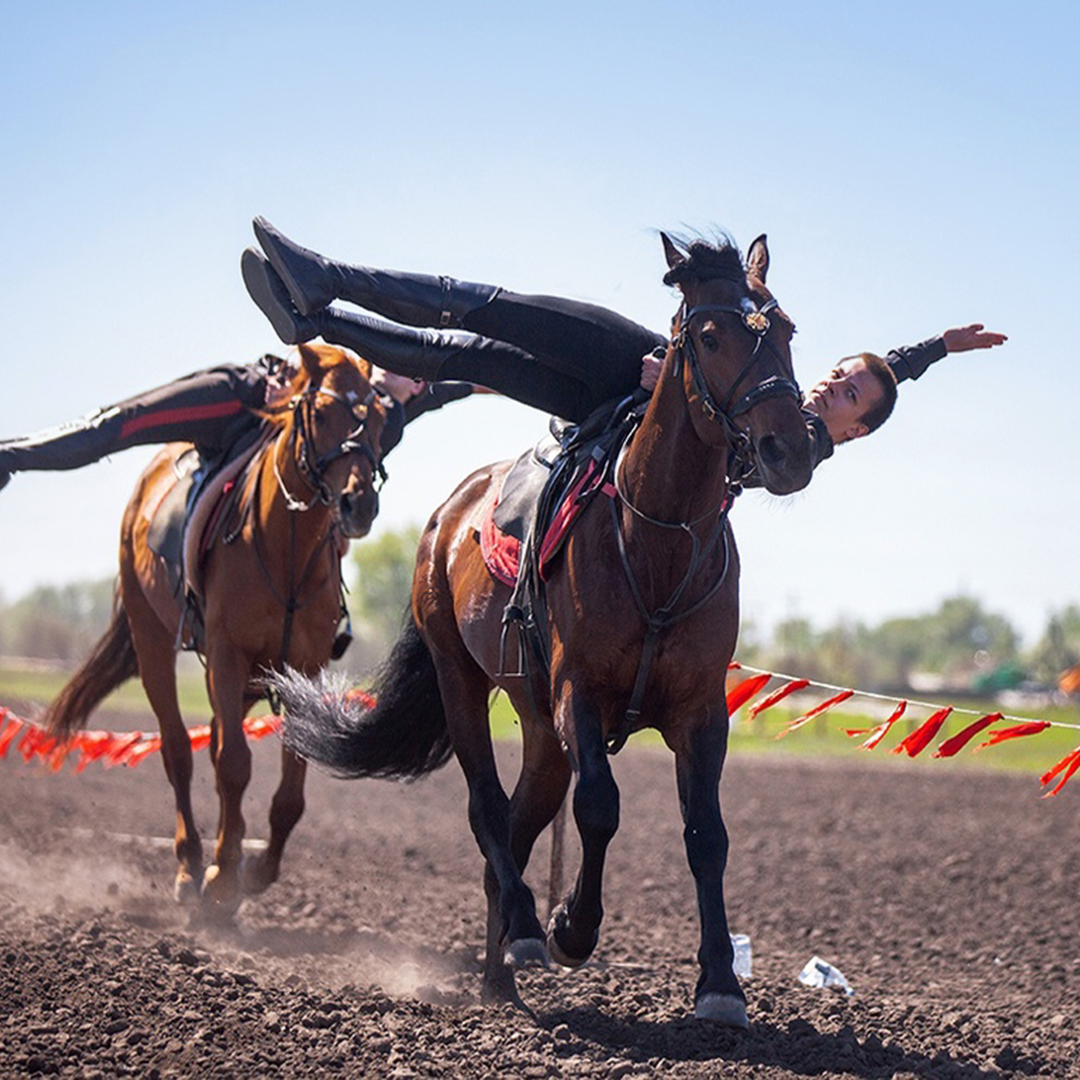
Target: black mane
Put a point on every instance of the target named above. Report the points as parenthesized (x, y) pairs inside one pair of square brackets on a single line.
[(706, 260)]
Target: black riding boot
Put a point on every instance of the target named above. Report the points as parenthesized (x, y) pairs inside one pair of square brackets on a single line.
[(314, 281)]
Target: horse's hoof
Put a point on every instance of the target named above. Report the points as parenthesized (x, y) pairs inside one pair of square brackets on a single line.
[(527, 953), (558, 921), (220, 896), (256, 876), (728, 1009), (186, 889)]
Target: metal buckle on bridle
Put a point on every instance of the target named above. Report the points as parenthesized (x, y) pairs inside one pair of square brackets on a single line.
[(757, 322)]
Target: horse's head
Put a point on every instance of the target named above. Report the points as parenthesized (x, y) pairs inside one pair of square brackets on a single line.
[(734, 345), (340, 421)]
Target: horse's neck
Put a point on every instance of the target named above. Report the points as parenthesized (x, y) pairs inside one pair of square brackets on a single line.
[(279, 481), (668, 473)]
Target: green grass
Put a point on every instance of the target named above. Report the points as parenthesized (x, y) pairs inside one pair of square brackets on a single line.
[(822, 737), (37, 686)]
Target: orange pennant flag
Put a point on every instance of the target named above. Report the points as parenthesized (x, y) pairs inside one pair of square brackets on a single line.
[(1016, 732), (920, 738), (817, 710), (777, 695), (958, 741), (878, 733), (1067, 765), (739, 695)]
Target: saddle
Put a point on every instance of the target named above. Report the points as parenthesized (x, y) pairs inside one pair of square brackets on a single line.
[(541, 497), (188, 517)]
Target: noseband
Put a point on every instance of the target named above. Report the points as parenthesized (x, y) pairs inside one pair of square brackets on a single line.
[(755, 321), (314, 469)]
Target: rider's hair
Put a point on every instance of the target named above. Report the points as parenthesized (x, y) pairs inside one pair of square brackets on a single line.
[(877, 414)]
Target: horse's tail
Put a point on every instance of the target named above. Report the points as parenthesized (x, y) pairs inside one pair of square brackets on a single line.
[(403, 735), (112, 662)]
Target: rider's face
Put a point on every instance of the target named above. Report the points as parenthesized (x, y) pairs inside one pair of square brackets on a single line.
[(844, 397)]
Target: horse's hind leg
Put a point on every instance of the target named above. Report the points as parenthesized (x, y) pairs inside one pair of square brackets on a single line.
[(262, 871), (699, 759), (540, 790), (157, 671), (574, 928), (511, 908)]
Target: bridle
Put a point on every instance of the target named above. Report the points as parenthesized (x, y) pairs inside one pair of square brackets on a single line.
[(755, 320), (314, 468)]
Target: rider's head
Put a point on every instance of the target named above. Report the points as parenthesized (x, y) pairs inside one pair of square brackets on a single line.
[(855, 398)]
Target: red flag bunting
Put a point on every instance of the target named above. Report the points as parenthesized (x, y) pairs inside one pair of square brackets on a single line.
[(7, 735), (777, 695), (878, 733), (915, 743), (741, 694), (1016, 732), (1067, 765), (817, 710), (958, 741)]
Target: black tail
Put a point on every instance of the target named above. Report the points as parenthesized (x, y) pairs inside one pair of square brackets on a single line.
[(402, 736), (112, 662)]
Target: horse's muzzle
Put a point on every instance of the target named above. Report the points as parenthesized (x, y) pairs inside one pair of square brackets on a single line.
[(785, 465), (356, 513)]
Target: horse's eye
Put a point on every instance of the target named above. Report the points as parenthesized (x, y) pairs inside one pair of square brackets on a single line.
[(710, 342)]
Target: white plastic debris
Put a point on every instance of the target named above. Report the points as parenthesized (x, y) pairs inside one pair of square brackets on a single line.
[(822, 975), (743, 958)]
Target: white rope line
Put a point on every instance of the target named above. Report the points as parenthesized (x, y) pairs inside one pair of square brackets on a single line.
[(911, 701)]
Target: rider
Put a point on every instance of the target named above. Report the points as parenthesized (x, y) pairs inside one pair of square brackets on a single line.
[(562, 356), (213, 409)]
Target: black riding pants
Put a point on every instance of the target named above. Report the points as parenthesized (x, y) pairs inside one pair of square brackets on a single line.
[(563, 356), (210, 408)]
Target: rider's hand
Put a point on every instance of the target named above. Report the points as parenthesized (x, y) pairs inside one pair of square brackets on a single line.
[(963, 338), (650, 371)]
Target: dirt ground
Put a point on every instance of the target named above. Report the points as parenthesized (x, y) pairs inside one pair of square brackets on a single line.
[(948, 899)]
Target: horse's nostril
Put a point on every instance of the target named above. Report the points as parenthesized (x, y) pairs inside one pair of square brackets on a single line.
[(771, 451)]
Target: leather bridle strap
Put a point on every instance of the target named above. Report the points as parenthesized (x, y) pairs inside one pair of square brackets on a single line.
[(756, 321)]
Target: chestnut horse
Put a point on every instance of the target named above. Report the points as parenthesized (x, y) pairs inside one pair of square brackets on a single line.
[(271, 592), (642, 616)]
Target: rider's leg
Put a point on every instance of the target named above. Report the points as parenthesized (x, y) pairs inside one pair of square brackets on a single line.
[(314, 281), (421, 353), (592, 344), (207, 408)]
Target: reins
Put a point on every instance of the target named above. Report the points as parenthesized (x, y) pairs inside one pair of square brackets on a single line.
[(756, 321)]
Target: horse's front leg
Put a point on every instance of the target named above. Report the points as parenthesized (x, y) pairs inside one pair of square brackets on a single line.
[(699, 760), (574, 928), (227, 675), (261, 871)]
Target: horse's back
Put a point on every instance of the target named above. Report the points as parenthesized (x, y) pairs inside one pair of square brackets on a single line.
[(140, 567), (454, 594)]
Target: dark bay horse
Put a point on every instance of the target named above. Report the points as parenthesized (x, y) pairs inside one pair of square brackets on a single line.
[(271, 588), (643, 615)]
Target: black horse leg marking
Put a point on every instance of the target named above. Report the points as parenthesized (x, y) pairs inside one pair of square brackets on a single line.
[(575, 925), (698, 764)]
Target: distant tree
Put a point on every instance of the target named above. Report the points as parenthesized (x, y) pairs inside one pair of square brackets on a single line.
[(381, 594), (1059, 647), (57, 622)]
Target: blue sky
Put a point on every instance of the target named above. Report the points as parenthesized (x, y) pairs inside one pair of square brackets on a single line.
[(914, 166)]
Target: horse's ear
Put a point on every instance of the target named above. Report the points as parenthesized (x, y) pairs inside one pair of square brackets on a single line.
[(365, 366), (675, 258), (311, 359), (757, 259)]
